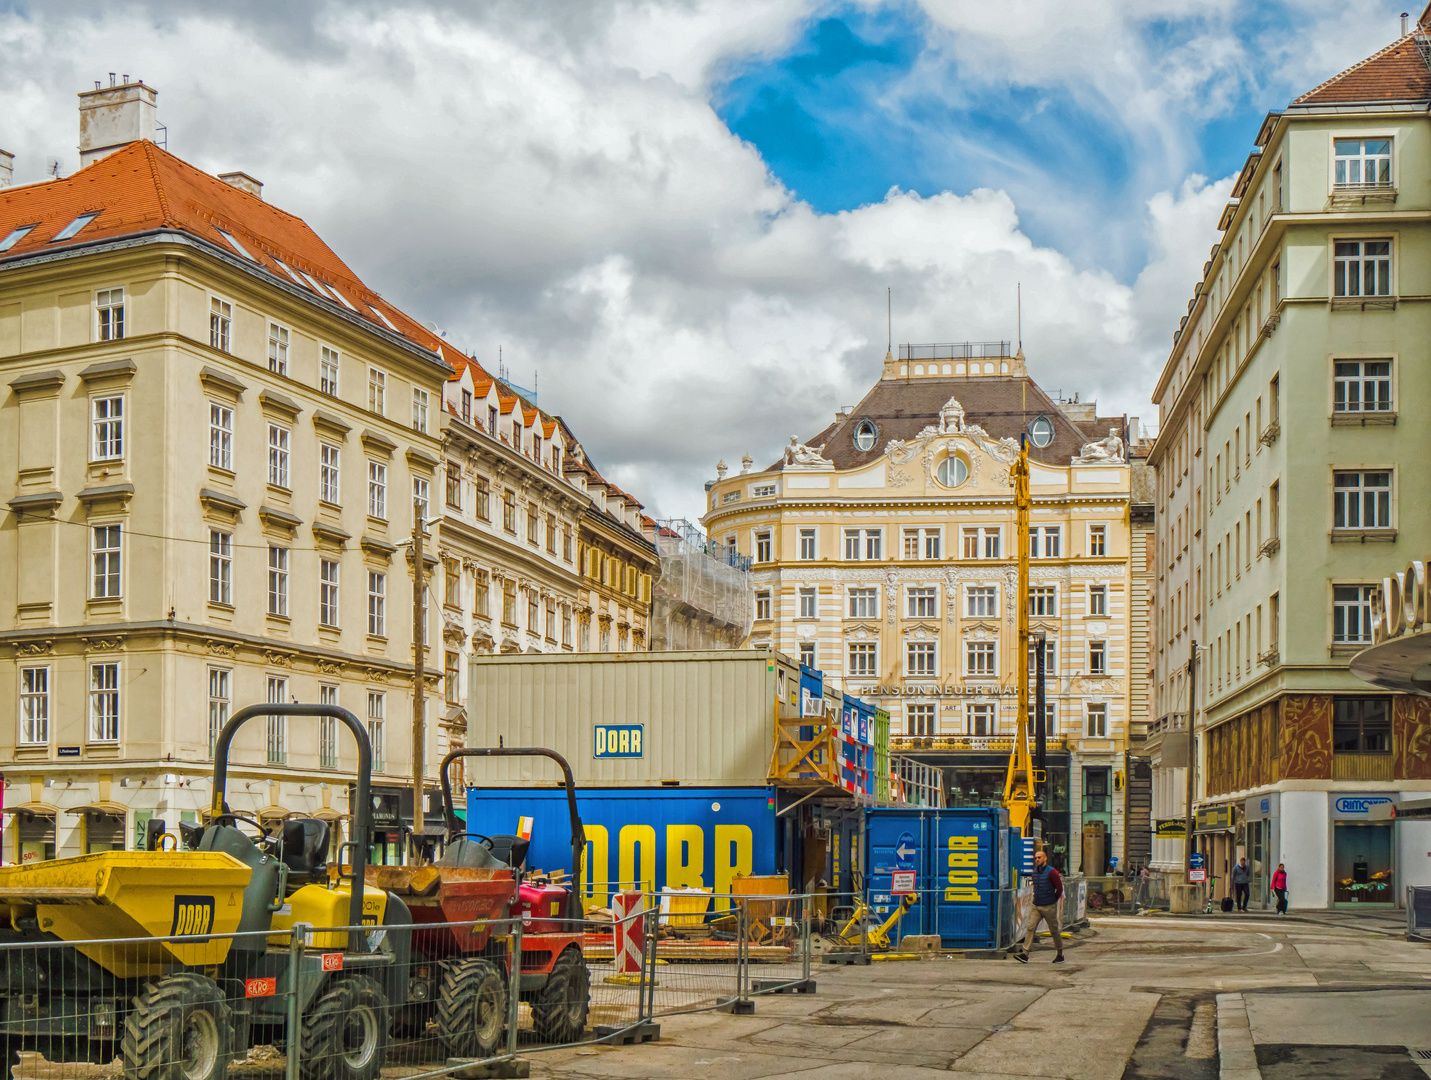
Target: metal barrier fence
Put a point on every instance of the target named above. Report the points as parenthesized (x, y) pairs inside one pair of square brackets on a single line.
[(412, 1000), (1418, 913)]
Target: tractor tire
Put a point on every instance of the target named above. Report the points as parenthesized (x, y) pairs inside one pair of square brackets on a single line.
[(559, 1008), (345, 1033), (472, 1009), (180, 1029)]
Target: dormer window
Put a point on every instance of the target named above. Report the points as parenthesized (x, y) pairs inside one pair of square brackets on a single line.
[(1041, 432), (75, 226), (866, 435), (15, 236)]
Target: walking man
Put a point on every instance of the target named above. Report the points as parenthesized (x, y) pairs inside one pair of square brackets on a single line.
[(1241, 883), (1047, 892)]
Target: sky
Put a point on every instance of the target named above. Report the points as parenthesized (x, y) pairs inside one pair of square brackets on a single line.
[(679, 219)]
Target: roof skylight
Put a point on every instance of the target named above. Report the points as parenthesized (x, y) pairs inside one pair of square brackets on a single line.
[(341, 298), (386, 321), (16, 235), (75, 226), (289, 271), (236, 245)]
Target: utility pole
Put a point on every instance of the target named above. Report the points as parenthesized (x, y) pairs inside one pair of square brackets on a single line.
[(419, 656), (1192, 759)]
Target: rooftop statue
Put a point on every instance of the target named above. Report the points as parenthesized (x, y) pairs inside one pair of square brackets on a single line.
[(1107, 451), (798, 455)]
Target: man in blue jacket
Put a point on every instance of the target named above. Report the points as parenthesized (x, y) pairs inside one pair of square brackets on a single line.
[(1047, 892)]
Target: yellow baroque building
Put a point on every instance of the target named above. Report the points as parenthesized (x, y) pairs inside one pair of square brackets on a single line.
[(884, 555)]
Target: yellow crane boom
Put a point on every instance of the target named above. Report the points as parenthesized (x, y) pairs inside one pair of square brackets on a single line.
[(1020, 797)]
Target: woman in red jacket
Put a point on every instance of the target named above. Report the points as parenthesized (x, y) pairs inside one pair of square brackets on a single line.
[(1279, 886)]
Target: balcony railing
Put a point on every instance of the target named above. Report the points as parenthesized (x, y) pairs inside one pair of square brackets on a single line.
[(958, 350), (1361, 766), (967, 743)]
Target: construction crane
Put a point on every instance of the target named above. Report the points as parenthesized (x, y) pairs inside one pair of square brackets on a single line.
[(1021, 782)]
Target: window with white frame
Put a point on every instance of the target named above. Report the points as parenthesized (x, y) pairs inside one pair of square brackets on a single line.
[(104, 702), (279, 438), (921, 720), (981, 601), (377, 391), (221, 317), (34, 706), (864, 544), (328, 371), (1098, 539), (1361, 500), (1048, 657), (864, 603), (221, 567), (980, 720), (377, 603), (762, 605), (862, 658), (328, 475), (419, 497), (106, 427), (328, 592), (980, 543), (1098, 658), (1098, 600), (377, 715), (1045, 541), (980, 658), (1361, 163), (1361, 268), (807, 654), (278, 581), (922, 602), (419, 410), (566, 625), (377, 490), (109, 314), (221, 437), (1361, 386), (220, 702), (277, 722), (762, 491), (327, 729), (807, 603), (105, 554), (1043, 601), (277, 349), (807, 543), (764, 548), (922, 543), (1097, 720), (991, 544), (1351, 614), (920, 658)]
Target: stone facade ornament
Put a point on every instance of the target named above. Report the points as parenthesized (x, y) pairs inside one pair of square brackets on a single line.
[(1107, 451), (951, 418), (800, 456)]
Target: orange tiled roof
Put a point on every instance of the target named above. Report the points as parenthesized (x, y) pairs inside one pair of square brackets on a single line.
[(1396, 73), (141, 188)]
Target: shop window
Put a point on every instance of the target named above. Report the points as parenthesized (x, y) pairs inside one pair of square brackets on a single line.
[(35, 834), (103, 832), (1361, 725)]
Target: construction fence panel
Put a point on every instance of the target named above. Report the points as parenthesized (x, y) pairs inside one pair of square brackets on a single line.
[(1418, 913)]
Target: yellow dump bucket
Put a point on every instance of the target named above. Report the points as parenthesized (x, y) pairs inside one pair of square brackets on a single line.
[(133, 894)]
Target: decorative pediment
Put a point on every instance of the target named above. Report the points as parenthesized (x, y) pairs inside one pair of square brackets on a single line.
[(862, 632), (921, 631)]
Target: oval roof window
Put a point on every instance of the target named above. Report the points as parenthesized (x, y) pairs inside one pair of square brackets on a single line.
[(952, 471), (866, 435), (1041, 431)]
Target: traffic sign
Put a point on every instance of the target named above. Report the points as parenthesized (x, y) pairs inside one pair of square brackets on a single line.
[(905, 849), (903, 882), (1197, 875), (1195, 860)]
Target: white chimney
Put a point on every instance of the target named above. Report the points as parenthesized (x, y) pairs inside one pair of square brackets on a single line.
[(113, 117), (1405, 16), (7, 168), (244, 182)]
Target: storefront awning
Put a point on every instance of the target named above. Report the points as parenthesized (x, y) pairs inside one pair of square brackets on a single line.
[(274, 813), (329, 814), (35, 809), (104, 806)]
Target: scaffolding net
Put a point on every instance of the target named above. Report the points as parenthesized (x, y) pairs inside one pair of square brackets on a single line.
[(704, 598)]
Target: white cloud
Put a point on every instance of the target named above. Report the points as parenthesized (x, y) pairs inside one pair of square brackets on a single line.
[(552, 179)]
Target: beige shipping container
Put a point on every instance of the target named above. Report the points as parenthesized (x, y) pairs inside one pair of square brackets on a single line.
[(706, 718)]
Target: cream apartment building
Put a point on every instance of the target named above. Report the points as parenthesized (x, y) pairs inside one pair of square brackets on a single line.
[(216, 435), (884, 555), (1289, 479)]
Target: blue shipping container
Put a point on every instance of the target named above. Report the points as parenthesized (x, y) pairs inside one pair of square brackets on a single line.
[(697, 837), (962, 864)]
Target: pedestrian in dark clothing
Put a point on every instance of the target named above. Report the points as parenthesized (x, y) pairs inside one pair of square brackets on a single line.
[(1047, 892), (1241, 883), (1279, 886)]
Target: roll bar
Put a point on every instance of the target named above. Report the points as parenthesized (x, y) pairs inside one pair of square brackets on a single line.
[(362, 809), (578, 834)]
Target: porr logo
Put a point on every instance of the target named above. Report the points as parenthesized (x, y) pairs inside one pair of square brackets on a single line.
[(193, 915)]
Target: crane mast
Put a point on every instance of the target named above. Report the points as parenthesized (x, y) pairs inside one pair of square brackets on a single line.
[(1020, 797)]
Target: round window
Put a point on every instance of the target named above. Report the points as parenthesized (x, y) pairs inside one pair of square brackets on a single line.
[(865, 435), (1041, 431), (952, 472)]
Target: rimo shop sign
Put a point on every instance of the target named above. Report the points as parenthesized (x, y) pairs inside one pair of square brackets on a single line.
[(1376, 807)]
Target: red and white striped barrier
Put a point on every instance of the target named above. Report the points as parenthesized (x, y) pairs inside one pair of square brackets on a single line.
[(629, 936)]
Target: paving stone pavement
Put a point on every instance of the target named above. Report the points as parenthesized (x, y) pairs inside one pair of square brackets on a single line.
[(1140, 997)]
